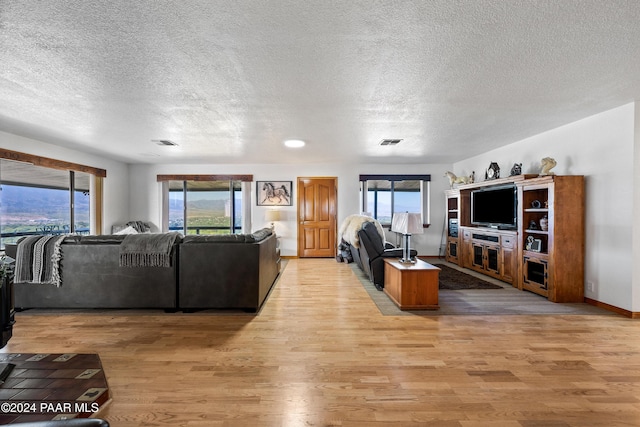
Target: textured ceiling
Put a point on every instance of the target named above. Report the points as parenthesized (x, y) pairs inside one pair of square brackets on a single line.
[(229, 80)]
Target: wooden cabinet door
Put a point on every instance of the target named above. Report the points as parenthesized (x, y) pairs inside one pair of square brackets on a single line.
[(509, 270), (492, 260), (509, 265), (452, 249), (466, 253), (317, 207), (477, 256)]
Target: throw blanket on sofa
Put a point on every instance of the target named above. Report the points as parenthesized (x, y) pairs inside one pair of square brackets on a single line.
[(147, 250), (352, 224), (38, 260)]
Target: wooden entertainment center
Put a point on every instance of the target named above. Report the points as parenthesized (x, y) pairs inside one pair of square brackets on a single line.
[(543, 253)]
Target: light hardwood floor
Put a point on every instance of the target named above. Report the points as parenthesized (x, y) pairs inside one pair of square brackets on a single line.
[(321, 354)]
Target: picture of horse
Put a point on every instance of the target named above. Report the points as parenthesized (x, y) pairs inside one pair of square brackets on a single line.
[(274, 193)]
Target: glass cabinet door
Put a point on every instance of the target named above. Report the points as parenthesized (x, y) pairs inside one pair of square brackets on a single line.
[(478, 255), (492, 259), (453, 249)]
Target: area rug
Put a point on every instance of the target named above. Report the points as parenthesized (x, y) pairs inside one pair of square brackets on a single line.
[(450, 278), (464, 302)]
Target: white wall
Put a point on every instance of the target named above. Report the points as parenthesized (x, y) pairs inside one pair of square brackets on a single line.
[(116, 185), (636, 209), (601, 147), (145, 198)]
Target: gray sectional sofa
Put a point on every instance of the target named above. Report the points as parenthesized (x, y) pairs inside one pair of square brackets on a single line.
[(234, 271), (92, 278), (227, 271)]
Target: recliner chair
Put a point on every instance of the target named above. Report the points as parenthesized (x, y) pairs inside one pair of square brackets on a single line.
[(372, 252)]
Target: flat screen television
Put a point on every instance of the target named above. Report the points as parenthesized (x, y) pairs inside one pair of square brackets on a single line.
[(495, 207)]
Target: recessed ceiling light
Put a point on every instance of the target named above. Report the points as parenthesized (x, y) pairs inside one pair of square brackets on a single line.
[(294, 143)]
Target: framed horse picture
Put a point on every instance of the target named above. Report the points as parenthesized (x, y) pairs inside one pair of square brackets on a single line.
[(274, 193)]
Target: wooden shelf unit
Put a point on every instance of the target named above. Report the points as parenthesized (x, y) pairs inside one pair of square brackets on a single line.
[(546, 260), (452, 226), (556, 268)]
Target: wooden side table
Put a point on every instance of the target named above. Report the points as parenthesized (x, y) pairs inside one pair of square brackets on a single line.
[(411, 286)]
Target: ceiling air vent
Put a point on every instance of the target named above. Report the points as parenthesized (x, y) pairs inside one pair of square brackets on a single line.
[(390, 141), (164, 142)]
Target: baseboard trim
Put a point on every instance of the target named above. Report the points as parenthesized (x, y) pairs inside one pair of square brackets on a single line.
[(613, 308)]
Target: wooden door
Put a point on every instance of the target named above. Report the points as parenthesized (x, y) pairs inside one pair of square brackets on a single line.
[(317, 208)]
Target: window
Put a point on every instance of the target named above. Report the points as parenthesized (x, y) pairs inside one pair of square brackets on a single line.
[(383, 195), (44, 196), (204, 204)]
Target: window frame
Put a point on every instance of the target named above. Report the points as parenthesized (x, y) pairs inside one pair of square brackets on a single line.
[(425, 193), (243, 179), (96, 176)]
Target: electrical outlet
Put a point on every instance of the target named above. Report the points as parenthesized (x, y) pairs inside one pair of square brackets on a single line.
[(591, 287)]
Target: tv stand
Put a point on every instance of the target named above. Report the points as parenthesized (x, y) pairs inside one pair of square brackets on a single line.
[(544, 255), (491, 252)]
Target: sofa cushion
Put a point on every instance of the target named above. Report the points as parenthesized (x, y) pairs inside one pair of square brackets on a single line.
[(138, 226), (259, 235), (213, 238), (127, 230), (114, 239), (254, 237)]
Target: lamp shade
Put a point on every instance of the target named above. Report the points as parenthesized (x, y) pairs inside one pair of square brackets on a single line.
[(272, 215), (407, 223)]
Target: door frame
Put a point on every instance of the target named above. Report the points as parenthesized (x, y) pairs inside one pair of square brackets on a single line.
[(299, 219)]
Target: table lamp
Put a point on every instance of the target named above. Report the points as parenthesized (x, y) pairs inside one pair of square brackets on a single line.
[(407, 224), (272, 215)]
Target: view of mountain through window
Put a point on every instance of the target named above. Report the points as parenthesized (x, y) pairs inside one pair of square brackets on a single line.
[(386, 195), (37, 200), (209, 207)]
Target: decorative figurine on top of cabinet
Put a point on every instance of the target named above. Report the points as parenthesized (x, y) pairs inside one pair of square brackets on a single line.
[(546, 165), (493, 172), (516, 169), (453, 179)]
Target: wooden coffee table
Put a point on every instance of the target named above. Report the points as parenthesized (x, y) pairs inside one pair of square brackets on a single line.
[(411, 286)]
